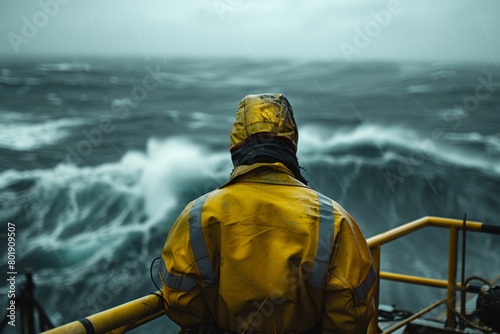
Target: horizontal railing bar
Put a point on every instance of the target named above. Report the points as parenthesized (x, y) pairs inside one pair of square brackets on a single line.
[(432, 282), (410, 227), (436, 283), (396, 232), (459, 224), (128, 314)]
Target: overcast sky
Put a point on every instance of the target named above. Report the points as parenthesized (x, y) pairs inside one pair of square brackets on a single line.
[(428, 30)]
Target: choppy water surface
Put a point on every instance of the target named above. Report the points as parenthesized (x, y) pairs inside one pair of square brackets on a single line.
[(98, 157)]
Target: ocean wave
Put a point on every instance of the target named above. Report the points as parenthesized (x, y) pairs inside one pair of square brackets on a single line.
[(376, 144), (200, 120), (489, 143), (65, 67), (316, 140), (177, 163), (39, 75), (24, 136), (20, 81), (68, 213)]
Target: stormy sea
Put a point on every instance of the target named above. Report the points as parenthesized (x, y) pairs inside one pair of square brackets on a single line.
[(99, 156)]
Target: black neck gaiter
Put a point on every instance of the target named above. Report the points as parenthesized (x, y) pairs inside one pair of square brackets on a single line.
[(267, 149)]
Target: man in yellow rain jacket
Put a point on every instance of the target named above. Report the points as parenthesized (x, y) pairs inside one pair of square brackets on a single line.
[(265, 253)]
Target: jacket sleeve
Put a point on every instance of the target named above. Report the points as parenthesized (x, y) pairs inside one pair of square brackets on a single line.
[(350, 286), (181, 281)]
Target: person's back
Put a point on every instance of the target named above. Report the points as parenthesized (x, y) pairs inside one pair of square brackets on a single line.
[(264, 253)]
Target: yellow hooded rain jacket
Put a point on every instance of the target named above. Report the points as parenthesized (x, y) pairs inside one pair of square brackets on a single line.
[(265, 253)]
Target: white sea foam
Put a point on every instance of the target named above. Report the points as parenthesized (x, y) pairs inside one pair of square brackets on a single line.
[(491, 142), (24, 136), (64, 67), (322, 144), (316, 140), (202, 120), (119, 102), (174, 164)]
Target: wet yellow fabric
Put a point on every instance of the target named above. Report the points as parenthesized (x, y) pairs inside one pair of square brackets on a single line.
[(264, 113), (262, 253)]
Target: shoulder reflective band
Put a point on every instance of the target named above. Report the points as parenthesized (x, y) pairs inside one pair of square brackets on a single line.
[(363, 289), (198, 242), (325, 241), (176, 282)]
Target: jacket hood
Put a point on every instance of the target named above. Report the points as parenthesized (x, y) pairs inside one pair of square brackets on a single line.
[(268, 114)]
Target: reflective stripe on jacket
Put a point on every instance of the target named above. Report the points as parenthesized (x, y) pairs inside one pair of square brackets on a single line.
[(267, 254)]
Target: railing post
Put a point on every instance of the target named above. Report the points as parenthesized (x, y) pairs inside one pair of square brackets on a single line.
[(373, 327), (452, 278)]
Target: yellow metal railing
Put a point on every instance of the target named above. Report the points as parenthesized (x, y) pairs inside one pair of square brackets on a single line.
[(140, 311), (116, 320), (450, 284)]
